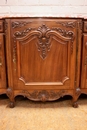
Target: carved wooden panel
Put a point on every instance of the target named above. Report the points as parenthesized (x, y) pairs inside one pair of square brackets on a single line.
[(43, 53), (40, 67), (2, 63)]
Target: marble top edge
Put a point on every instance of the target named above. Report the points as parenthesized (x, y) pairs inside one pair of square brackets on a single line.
[(42, 15)]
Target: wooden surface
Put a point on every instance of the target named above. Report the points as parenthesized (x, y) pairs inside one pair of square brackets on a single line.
[(3, 83), (45, 58), (2, 60), (42, 57)]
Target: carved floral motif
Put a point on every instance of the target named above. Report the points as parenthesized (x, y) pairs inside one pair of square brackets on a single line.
[(44, 95), (65, 33), (44, 43), (68, 24), (19, 24), (43, 33), (22, 33)]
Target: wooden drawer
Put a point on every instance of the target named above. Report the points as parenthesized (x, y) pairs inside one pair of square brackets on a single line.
[(85, 26)]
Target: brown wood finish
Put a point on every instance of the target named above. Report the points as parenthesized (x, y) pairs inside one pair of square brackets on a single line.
[(2, 61), (42, 58), (85, 26), (84, 61), (46, 58)]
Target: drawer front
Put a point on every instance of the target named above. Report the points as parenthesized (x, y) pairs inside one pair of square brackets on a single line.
[(85, 26)]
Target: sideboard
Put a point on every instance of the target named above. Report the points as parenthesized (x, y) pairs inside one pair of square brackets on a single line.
[(43, 58)]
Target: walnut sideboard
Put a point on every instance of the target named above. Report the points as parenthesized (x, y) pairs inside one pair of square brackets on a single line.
[(43, 59)]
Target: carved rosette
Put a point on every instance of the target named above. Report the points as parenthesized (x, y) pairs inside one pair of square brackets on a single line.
[(44, 95)]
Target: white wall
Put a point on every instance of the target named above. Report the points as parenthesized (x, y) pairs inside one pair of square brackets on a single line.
[(43, 7)]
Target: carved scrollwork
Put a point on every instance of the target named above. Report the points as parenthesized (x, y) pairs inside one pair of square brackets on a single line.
[(44, 95), (44, 44), (19, 24), (65, 33), (44, 35), (67, 24), (22, 33)]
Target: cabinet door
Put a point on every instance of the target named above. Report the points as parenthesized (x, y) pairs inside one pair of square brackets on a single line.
[(41, 53), (84, 63), (2, 63)]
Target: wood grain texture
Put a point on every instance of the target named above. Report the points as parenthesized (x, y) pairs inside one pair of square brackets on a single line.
[(2, 63), (84, 63), (42, 58)]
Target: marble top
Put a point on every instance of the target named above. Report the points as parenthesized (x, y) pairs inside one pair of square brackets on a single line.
[(43, 15)]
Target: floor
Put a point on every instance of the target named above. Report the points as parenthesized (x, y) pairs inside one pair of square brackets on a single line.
[(28, 115)]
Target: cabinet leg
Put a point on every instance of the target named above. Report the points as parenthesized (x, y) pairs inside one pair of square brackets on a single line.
[(76, 95), (74, 101), (10, 94)]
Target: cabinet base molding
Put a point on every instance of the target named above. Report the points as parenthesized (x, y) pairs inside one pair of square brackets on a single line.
[(42, 95)]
